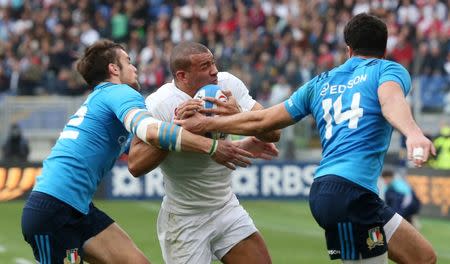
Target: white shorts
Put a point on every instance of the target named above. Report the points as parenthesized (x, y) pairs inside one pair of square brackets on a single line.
[(200, 238)]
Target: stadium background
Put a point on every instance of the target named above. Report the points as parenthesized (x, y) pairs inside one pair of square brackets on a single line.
[(273, 46)]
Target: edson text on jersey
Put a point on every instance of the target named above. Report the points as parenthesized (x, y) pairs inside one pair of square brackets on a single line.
[(340, 88)]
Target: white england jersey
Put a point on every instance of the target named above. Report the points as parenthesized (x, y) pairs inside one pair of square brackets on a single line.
[(194, 182)]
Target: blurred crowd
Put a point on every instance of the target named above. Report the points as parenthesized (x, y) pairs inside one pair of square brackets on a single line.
[(274, 46)]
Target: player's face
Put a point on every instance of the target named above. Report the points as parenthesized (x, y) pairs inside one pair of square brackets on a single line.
[(128, 73), (203, 70)]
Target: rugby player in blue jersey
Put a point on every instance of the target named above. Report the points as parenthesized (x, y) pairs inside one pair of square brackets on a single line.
[(59, 220), (355, 106)]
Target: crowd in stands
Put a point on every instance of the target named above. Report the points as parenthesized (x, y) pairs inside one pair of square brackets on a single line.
[(274, 46)]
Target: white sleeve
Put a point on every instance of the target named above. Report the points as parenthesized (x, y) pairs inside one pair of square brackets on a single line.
[(157, 108), (240, 92)]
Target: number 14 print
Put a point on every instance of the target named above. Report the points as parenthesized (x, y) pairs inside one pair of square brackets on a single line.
[(352, 115)]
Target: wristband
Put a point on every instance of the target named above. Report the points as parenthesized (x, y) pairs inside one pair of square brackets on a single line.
[(214, 146)]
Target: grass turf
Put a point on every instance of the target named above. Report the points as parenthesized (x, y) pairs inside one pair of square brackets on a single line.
[(288, 228)]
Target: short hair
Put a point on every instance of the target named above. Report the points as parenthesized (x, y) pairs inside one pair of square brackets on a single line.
[(180, 59), (387, 174), (93, 65), (366, 35)]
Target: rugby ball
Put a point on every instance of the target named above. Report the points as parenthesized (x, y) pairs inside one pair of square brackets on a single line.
[(211, 90)]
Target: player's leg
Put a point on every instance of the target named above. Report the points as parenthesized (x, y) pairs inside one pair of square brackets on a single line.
[(250, 250), (237, 240), (381, 259), (48, 226), (185, 239), (106, 242), (407, 245), (112, 245), (351, 218)]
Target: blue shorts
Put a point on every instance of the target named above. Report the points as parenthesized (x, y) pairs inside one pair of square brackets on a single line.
[(56, 231), (352, 216)]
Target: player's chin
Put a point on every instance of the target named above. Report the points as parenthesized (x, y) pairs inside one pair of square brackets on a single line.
[(135, 84)]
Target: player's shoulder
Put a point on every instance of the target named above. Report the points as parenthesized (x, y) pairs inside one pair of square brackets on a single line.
[(224, 76), (163, 97), (228, 81), (120, 88), (110, 92), (392, 65), (165, 91)]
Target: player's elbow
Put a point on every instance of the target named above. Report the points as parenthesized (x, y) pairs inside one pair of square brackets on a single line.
[(271, 136), (276, 135), (134, 169)]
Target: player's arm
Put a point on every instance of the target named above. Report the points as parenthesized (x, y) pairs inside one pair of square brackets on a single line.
[(231, 107), (397, 112), (248, 123), (143, 157), (168, 136), (271, 136)]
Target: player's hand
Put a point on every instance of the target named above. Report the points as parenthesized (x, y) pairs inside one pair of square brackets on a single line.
[(258, 148), (230, 155), (229, 107), (195, 124), (188, 108), (419, 148)]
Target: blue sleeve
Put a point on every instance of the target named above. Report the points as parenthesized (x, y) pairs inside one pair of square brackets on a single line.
[(126, 148), (123, 98), (298, 105), (392, 71)]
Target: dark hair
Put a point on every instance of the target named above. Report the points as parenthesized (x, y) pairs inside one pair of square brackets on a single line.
[(180, 59), (387, 173), (366, 35), (93, 65)]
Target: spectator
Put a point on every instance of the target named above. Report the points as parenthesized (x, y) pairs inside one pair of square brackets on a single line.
[(262, 37), (441, 142), (399, 195), (16, 147)]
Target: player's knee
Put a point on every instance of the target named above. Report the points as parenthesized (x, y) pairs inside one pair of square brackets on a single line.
[(429, 257)]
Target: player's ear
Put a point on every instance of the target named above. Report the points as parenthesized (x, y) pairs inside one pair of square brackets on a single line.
[(181, 76), (113, 69), (349, 52)]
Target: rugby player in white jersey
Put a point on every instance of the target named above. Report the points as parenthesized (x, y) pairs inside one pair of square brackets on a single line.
[(200, 217)]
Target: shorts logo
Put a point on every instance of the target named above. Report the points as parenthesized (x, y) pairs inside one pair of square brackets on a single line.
[(72, 256), (334, 252), (375, 238)]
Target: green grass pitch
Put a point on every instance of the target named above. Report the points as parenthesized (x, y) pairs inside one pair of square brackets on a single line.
[(291, 233)]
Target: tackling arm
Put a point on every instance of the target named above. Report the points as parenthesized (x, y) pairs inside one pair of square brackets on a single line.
[(168, 136), (248, 123), (271, 136), (144, 157)]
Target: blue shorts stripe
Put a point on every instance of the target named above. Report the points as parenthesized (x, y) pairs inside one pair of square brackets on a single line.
[(352, 242), (41, 255), (347, 241), (341, 238), (47, 245), (41, 237)]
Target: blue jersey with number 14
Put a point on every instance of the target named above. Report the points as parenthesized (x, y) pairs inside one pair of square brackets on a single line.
[(344, 102), (89, 145)]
